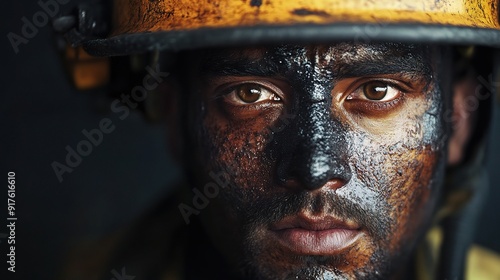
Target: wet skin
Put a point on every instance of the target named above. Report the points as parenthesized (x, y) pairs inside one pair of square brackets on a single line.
[(335, 155)]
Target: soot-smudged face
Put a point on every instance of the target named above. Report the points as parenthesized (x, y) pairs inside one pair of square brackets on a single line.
[(335, 155)]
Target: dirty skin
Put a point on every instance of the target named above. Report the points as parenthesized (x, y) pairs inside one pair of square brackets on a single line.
[(360, 141)]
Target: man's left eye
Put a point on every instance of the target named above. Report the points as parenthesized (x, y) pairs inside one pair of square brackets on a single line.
[(377, 91)]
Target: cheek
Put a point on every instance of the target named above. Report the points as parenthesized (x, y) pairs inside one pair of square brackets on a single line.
[(239, 148), (400, 166)]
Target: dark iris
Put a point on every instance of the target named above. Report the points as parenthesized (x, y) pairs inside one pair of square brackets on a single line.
[(249, 93), (375, 90)]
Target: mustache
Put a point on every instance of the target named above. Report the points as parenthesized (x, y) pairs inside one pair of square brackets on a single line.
[(273, 208)]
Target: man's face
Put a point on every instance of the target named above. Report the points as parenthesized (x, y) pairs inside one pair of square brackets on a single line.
[(335, 155)]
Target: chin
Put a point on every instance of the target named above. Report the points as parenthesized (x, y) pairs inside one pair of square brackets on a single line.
[(311, 270)]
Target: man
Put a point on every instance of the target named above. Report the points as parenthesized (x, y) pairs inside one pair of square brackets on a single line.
[(314, 153)]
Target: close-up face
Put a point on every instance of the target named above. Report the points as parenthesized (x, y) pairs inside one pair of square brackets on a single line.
[(251, 139), (335, 155)]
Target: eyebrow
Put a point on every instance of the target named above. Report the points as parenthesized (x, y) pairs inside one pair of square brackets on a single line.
[(242, 66), (410, 66), (387, 63)]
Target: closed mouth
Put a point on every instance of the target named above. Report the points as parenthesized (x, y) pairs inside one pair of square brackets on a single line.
[(308, 235)]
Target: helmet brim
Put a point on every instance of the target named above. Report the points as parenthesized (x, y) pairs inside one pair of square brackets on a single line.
[(298, 34)]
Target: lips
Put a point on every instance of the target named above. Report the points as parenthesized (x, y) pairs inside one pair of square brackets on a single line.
[(308, 235)]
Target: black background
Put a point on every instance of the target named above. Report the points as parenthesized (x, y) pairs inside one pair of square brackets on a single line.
[(40, 114)]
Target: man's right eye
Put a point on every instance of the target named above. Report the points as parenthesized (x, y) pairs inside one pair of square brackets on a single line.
[(250, 94)]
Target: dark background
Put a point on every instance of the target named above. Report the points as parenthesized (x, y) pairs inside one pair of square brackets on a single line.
[(40, 114)]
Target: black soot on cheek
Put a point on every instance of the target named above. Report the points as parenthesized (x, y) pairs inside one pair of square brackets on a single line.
[(405, 166)]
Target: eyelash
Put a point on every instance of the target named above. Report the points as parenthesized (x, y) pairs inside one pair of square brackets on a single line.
[(232, 89), (365, 105), (356, 105), (385, 84), (368, 106)]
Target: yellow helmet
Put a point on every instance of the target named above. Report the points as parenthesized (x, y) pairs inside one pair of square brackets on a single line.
[(146, 25)]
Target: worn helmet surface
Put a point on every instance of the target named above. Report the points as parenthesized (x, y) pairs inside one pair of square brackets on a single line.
[(146, 25)]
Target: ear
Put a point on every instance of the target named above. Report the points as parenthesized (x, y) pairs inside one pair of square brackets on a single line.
[(465, 106)]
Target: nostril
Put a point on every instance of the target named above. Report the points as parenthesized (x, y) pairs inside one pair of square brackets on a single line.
[(312, 181), (299, 185), (292, 184), (334, 184), (310, 173), (320, 170)]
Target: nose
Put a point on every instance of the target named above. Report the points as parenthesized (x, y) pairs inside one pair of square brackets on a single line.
[(319, 154)]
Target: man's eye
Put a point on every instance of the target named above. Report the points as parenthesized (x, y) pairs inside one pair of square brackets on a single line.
[(252, 93), (249, 93), (375, 91)]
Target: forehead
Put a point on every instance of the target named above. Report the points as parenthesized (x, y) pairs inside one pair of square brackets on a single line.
[(346, 50), (342, 58)]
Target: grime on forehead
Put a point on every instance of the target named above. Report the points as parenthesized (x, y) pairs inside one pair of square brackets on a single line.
[(345, 59), (334, 154)]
